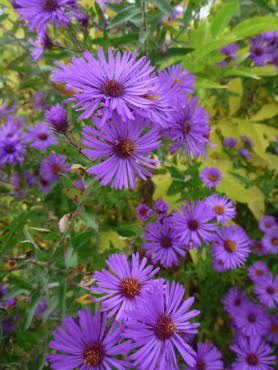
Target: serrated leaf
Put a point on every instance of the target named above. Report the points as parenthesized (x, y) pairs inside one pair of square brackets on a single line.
[(223, 17)]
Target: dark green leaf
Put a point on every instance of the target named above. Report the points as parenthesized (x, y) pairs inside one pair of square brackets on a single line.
[(164, 6), (35, 300), (123, 16)]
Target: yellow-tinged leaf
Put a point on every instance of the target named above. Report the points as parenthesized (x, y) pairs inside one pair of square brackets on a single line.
[(113, 237), (257, 207), (265, 71), (162, 183), (235, 86), (267, 111), (85, 299), (193, 255)]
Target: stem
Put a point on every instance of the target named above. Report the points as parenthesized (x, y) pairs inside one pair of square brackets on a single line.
[(145, 25), (77, 42), (71, 142)]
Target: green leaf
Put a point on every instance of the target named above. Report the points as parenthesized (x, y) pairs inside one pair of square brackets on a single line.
[(204, 49), (20, 282), (100, 15), (241, 71), (253, 26), (223, 17), (9, 237), (187, 14), (89, 219), (123, 16), (35, 300), (173, 52), (164, 6), (263, 4)]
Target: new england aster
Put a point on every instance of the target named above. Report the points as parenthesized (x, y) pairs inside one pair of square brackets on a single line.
[(124, 148), (11, 150), (38, 13), (222, 207), (267, 291), (158, 326), (208, 358), (88, 344), (119, 85), (41, 136), (53, 166), (124, 288)]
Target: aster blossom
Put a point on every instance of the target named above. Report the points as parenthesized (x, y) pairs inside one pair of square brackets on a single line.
[(189, 129), (12, 150), (208, 358), (267, 223), (158, 325), (267, 290), (123, 149), (86, 344), (124, 288), (260, 50), (232, 246), (40, 136), (163, 244), (230, 142), (57, 116), (38, 13), (228, 51), (120, 85), (253, 354), (257, 271), (272, 333), (234, 301), (222, 207), (257, 247), (270, 241), (43, 42), (144, 212), (211, 176), (161, 207), (193, 224), (245, 153), (53, 166)]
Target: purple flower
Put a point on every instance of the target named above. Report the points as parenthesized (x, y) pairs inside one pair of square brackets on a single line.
[(247, 141), (123, 148), (57, 116), (251, 320), (43, 42), (267, 290), (14, 4), (88, 343), (38, 100), (11, 150), (9, 130), (41, 307), (194, 225), (189, 129), (80, 185), (228, 51), (253, 354), (274, 61), (230, 142), (234, 301), (38, 13), (270, 241), (245, 153), (179, 77), (44, 185), (211, 176), (143, 212), (257, 247), (232, 246), (9, 325), (163, 244), (124, 288), (267, 223), (257, 271), (4, 109), (161, 208), (272, 333), (120, 85), (218, 264), (260, 50), (19, 187), (53, 166), (40, 136), (208, 358), (3, 301), (222, 207), (159, 325)]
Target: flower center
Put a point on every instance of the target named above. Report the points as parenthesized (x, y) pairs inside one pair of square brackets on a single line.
[(258, 247), (258, 52), (276, 60), (193, 225), (201, 365), (93, 355), (219, 210), (251, 317), (112, 88), (252, 359), (143, 212), (49, 5), (166, 242), (275, 241), (229, 246), (10, 149), (130, 288), (270, 290), (56, 168), (220, 262), (212, 177), (259, 272), (274, 328), (164, 328), (124, 148), (237, 301), (43, 182), (43, 136), (186, 128), (268, 224)]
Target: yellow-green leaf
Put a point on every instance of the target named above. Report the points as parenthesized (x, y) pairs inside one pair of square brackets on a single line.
[(267, 111)]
